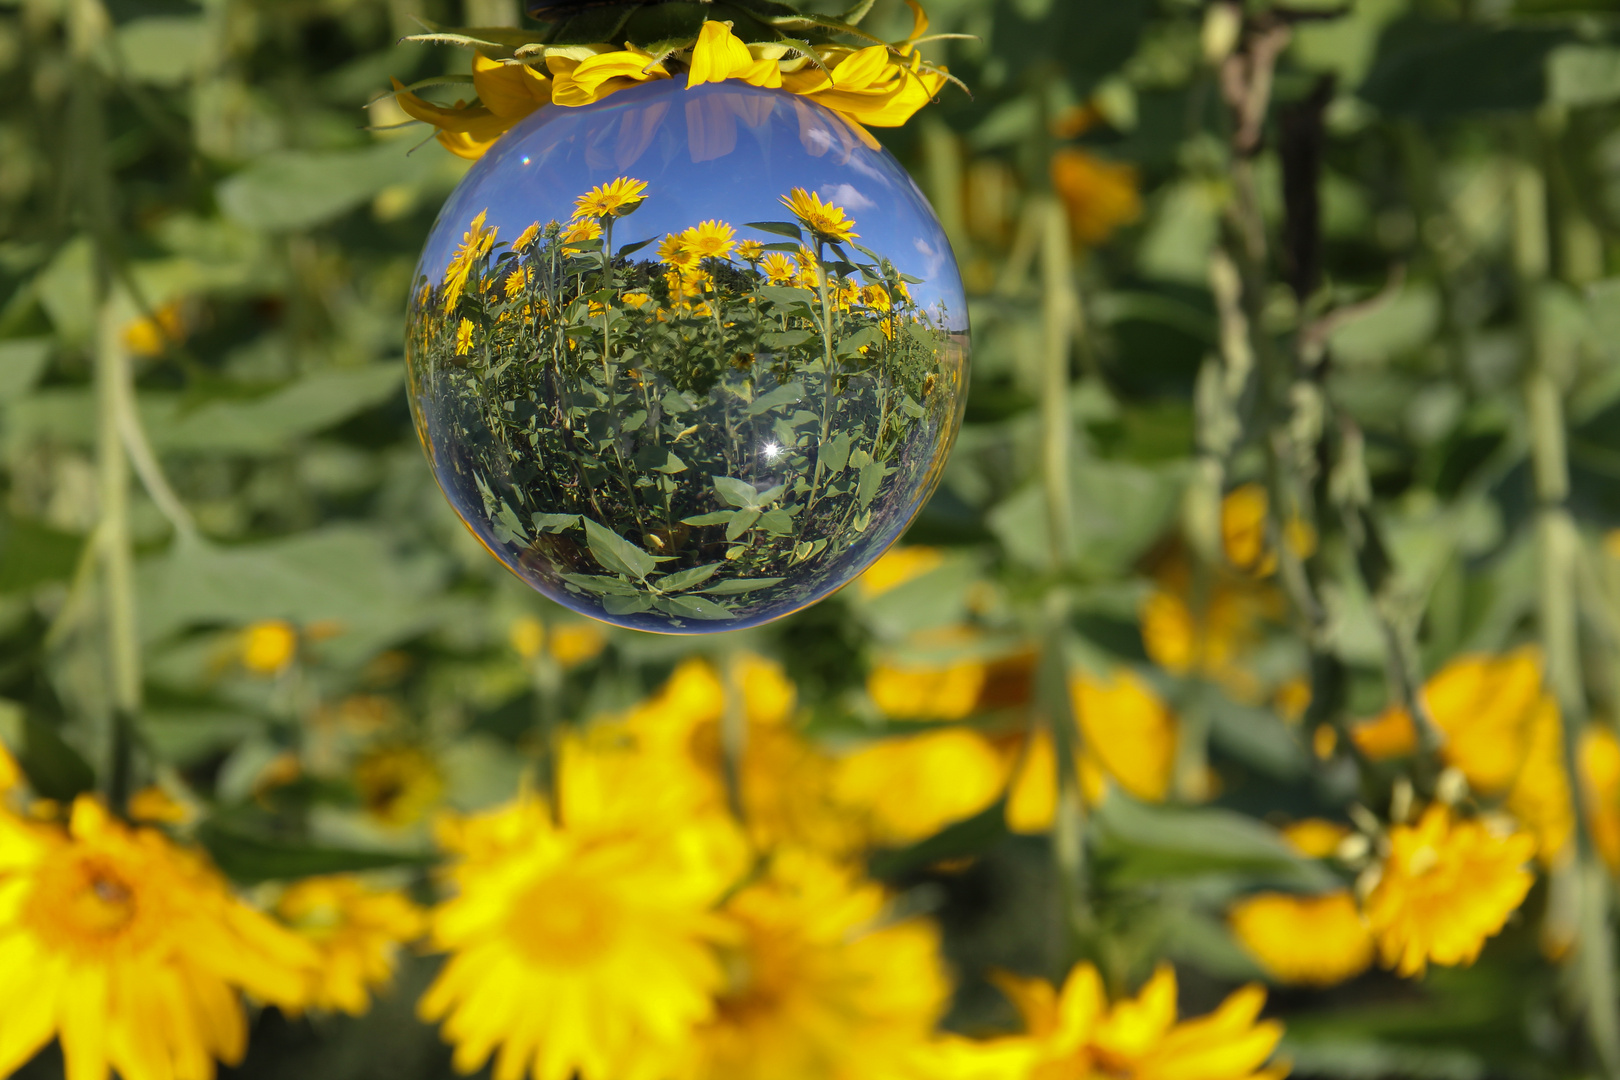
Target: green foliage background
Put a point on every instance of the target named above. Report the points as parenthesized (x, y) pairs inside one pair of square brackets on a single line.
[(213, 155)]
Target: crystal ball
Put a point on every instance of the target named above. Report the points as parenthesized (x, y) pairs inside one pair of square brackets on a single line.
[(687, 360)]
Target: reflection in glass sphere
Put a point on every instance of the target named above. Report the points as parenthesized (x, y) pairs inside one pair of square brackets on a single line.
[(687, 360)]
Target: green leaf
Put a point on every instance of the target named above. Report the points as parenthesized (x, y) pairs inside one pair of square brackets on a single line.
[(719, 517), (1434, 69), (248, 858), (671, 465), (55, 770), (695, 607), (835, 455), (508, 527), (617, 554), (776, 521), (598, 584), (801, 301), (1579, 75), (741, 585), (165, 50), (778, 228), (295, 189), (741, 522), (631, 249), (592, 26), (32, 554), (685, 579), (554, 523), (872, 474), (617, 604), (736, 492), (1147, 843), (865, 337), (22, 362), (786, 394)]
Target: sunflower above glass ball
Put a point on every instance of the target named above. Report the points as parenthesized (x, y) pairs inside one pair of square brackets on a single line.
[(687, 347)]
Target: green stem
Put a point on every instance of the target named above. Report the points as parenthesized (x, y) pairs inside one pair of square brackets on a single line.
[(113, 394), (1057, 422), (827, 352)]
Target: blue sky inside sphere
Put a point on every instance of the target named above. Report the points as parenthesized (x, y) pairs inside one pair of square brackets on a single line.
[(726, 151)]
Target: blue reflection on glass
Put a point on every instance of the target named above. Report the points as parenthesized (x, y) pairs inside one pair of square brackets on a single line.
[(691, 457)]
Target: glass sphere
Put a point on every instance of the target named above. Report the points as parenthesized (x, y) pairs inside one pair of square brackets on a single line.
[(687, 360)]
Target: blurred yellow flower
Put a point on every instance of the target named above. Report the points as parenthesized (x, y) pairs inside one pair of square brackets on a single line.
[(1502, 731), (907, 789), (153, 335), (527, 636), (1207, 630), (819, 985), (1076, 1034), (927, 692), (1100, 196), (720, 55), (824, 220), (11, 774), (1313, 940), (398, 784), (616, 198), (1127, 736), (1315, 837), (1600, 790), (268, 646), (751, 251), (582, 947), (154, 806), (358, 931), (895, 567), (575, 643), (130, 950), (1446, 886)]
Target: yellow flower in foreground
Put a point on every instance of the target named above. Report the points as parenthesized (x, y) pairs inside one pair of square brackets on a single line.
[(907, 789), (710, 239), (1446, 886), (870, 86), (895, 567), (1077, 1034), (613, 199), (927, 692), (1314, 940), (1099, 195), (720, 55), (268, 646), (1502, 731), (818, 984), (826, 221), (398, 785), (1600, 790), (131, 951), (580, 82), (476, 243), (358, 932), (11, 774), (577, 948)]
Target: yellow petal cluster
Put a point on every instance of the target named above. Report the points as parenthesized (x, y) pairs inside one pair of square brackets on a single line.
[(1502, 730), (878, 86), (1100, 196), (358, 931), (1312, 940), (130, 951), (1447, 885), (1076, 1033), (907, 789)]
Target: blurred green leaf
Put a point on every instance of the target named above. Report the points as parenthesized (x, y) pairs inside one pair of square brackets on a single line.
[(296, 189), (54, 769), (1143, 843), (32, 553), (22, 362), (249, 858), (1433, 69), (163, 49)]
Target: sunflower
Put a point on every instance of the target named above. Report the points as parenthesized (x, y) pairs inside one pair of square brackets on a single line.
[(131, 951), (464, 337), (1446, 886), (358, 931), (824, 220), (616, 198), (710, 239), (516, 282), (751, 251), (927, 691), (582, 231), (269, 646), (476, 243), (527, 237), (677, 252), (909, 788), (583, 947), (819, 986), (398, 784), (779, 269)]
